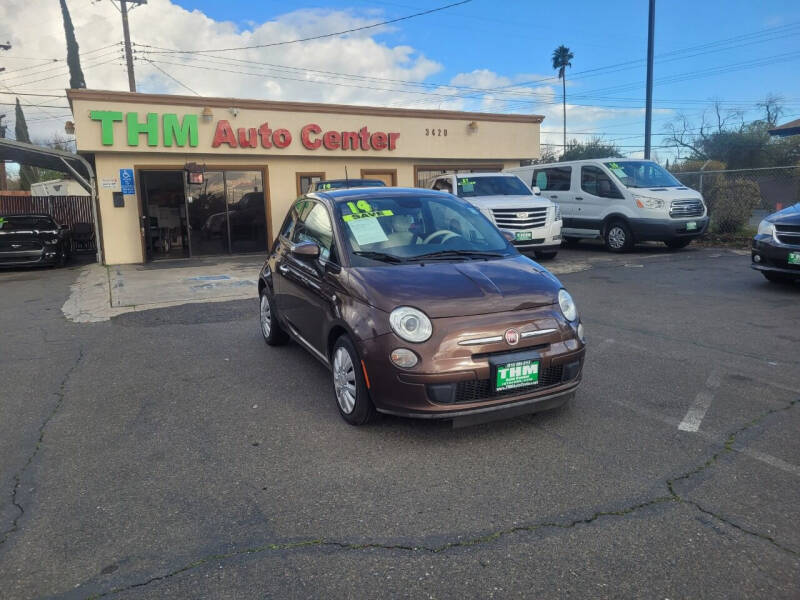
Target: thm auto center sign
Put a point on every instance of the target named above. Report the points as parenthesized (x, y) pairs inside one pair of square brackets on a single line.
[(169, 131)]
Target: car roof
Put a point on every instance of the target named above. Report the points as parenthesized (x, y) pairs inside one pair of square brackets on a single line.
[(342, 195), (346, 180), (28, 215), (486, 174)]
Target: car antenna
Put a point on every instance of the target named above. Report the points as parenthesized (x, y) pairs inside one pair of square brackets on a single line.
[(346, 178)]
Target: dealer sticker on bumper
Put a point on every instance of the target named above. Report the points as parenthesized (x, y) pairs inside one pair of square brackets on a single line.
[(691, 226), (517, 374), (523, 236), (794, 258)]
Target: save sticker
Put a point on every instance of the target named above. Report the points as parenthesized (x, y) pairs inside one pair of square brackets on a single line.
[(365, 215), (2, 222), (467, 185)]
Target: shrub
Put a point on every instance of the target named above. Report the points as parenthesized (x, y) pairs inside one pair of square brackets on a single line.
[(731, 202)]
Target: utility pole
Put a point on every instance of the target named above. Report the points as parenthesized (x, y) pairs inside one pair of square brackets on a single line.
[(126, 34), (3, 180), (648, 110)]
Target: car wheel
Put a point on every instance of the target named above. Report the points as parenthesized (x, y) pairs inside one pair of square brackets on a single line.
[(618, 237), (273, 334), (777, 277), (678, 243), (545, 255), (349, 384)]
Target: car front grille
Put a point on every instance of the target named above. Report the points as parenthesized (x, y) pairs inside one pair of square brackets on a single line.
[(681, 209), (475, 390), (19, 245), (520, 218), (788, 234)]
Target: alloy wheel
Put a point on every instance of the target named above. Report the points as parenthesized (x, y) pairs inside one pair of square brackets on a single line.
[(266, 316), (344, 380), (616, 237)]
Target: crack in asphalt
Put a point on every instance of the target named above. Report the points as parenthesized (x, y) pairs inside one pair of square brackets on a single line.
[(673, 497), (18, 476)]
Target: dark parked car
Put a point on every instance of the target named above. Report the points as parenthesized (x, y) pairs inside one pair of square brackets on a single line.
[(29, 240), (420, 307), (340, 184), (776, 247)]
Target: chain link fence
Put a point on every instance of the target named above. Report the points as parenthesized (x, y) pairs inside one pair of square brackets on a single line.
[(738, 199)]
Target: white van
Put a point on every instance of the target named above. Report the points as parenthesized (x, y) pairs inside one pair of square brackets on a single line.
[(621, 201), (510, 204)]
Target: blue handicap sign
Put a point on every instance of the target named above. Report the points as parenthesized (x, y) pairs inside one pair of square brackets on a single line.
[(126, 182)]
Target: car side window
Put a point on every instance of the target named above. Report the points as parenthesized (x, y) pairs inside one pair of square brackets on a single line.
[(443, 185), (594, 181), (552, 179), (316, 227)]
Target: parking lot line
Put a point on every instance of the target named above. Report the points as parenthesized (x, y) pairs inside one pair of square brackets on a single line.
[(702, 402)]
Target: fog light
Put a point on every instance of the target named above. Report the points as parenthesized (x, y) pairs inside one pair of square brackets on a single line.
[(404, 358), (756, 258), (580, 333), (556, 237)]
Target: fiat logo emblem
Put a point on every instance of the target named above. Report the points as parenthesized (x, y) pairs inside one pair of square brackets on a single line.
[(522, 215), (512, 337)]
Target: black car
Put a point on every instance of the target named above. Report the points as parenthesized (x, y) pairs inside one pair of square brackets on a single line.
[(776, 247), (33, 239), (340, 184)]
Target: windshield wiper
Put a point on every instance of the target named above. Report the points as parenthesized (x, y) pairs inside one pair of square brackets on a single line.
[(456, 253), (381, 256)]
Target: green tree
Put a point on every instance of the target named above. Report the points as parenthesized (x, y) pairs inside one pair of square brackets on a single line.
[(76, 79), (594, 148), (26, 172), (562, 57)]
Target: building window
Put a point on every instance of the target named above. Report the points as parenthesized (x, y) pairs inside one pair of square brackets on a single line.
[(306, 181)]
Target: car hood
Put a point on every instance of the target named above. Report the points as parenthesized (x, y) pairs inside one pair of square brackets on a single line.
[(667, 193), (508, 201), (788, 216), (28, 234), (450, 289)]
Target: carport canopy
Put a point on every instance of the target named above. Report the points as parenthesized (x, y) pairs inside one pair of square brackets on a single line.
[(57, 160)]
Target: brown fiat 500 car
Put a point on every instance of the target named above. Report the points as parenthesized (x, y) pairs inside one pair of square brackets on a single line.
[(420, 307)]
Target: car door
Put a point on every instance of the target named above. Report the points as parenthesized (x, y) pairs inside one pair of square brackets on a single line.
[(309, 286), (555, 184), (597, 195)]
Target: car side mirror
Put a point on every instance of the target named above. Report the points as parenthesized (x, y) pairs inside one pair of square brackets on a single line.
[(537, 191), (509, 235), (305, 250)]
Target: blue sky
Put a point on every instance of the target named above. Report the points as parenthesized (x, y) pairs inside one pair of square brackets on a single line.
[(499, 50)]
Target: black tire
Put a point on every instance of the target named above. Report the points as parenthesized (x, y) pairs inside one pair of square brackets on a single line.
[(545, 255), (273, 333), (778, 277), (618, 237), (349, 384), (678, 243), (571, 241)]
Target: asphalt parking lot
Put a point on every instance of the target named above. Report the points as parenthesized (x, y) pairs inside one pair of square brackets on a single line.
[(170, 453)]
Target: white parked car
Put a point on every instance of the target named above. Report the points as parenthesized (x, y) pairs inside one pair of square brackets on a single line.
[(620, 201), (511, 205)]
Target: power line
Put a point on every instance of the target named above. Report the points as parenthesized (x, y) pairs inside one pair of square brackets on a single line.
[(329, 35), (155, 66)]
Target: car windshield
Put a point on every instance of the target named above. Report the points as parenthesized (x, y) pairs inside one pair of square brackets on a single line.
[(469, 187), (340, 184), (642, 174), (400, 229), (22, 223)]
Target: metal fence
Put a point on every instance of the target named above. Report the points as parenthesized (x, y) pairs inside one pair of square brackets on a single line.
[(66, 210), (738, 198)]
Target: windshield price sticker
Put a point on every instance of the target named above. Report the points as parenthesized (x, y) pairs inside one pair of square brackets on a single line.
[(467, 185), (367, 215), (367, 230), (2, 222)]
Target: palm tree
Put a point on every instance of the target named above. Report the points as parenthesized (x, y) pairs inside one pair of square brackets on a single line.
[(561, 60)]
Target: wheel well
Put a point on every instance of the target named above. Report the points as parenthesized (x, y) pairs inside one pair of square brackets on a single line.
[(335, 333), (611, 218), (261, 286)]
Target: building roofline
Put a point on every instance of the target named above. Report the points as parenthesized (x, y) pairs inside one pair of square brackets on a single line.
[(349, 109)]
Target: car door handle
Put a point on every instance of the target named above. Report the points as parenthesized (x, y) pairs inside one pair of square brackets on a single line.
[(554, 197), (578, 197), (283, 269)]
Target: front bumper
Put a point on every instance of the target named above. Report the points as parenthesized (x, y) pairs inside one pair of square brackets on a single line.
[(773, 256), (452, 380), (29, 258), (665, 230)]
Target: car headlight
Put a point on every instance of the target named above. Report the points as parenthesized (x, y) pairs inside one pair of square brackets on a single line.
[(557, 213), (410, 324), (645, 202), (51, 241), (766, 228), (567, 305)]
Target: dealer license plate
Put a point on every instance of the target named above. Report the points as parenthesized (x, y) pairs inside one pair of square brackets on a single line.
[(523, 236), (794, 258), (691, 226), (521, 373)]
